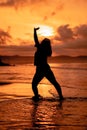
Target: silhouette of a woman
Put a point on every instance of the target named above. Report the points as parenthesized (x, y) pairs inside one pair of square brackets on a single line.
[(42, 68)]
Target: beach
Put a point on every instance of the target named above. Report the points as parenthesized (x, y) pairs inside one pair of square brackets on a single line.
[(46, 41), (19, 112)]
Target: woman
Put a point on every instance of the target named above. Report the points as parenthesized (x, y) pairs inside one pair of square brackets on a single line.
[(42, 68)]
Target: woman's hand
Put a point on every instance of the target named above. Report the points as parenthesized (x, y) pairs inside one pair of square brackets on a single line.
[(36, 28)]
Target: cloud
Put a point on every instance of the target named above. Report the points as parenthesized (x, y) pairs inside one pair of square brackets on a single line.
[(72, 37), (14, 3), (54, 7), (18, 3), (17, 50), (35, 5), (4, 36), (8, 3)]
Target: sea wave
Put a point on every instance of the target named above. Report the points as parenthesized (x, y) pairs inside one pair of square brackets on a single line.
[(68, 68)]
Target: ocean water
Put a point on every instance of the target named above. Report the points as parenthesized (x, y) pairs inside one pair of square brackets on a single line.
[(18, 111), (69, 75)]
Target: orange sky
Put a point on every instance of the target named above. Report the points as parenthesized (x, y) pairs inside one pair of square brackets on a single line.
[(67, 19)]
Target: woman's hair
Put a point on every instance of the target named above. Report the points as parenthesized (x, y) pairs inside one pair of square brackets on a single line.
[(46, 47)]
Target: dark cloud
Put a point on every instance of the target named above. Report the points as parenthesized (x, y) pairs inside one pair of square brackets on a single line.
[(65, 33), (72, 37), (81, 31)]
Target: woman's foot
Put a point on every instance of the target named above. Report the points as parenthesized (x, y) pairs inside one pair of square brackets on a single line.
[(37, 97), (61, 98)]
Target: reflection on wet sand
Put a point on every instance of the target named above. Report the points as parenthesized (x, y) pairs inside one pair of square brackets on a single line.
[(25, 113), (43, 114), (48, 113)]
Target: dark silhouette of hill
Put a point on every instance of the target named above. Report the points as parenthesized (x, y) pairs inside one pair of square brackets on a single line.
[(16, 59), (64, 58)]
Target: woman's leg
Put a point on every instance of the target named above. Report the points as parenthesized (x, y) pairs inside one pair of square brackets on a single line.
[(36, 79), (50, 76)]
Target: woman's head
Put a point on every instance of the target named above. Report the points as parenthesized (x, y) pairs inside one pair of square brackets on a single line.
[(45, 43), (46, 46), (45, 40)]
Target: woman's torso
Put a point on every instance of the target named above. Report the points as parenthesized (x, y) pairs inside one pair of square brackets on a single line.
[(40, 58)]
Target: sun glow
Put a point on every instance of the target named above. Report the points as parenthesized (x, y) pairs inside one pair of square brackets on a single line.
[(46, 30)]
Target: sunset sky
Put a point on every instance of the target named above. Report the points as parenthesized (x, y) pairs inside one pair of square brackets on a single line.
[(63, 21)]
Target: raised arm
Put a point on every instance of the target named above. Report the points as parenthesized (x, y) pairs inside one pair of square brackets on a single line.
[(36, 37)]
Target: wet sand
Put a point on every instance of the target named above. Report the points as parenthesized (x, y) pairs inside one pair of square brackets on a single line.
[(19, 112)]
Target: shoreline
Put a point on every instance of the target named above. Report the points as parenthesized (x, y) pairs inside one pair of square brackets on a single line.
[(20, 90)]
